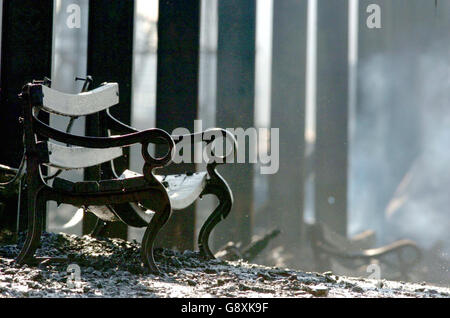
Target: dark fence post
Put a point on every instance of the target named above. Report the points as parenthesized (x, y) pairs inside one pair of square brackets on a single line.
[(26, 55), (235, 108), (110, 59), (177, 97), (331, 115), (285, 207)]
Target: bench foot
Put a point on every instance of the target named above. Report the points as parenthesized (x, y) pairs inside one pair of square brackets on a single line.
[(35, 227), (217, 186), (159, 219), (99, 229)]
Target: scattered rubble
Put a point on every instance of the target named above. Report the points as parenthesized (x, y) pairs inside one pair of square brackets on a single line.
[(111, 268)]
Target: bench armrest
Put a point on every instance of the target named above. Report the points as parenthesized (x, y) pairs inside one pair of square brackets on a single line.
[(144, 137), (207, 136)]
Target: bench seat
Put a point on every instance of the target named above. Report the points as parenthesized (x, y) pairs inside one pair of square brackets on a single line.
[(183, 190)]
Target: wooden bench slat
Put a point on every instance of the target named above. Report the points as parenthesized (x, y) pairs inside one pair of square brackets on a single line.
[(63, 157), (81, 104), (183, 189)]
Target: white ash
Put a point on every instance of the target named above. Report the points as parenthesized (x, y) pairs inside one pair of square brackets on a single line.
[(112, 268)]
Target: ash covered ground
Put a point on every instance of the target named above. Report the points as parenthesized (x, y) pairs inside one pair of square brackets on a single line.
[(111, 268)]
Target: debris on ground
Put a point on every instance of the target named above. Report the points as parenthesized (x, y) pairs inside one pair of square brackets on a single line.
[(233, 251), (112, 268)]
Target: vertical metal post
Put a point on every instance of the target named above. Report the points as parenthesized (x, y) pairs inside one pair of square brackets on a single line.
[(26, 55), (110, 56), (235, 108), (332, 112), (177, 97), (288, 115)]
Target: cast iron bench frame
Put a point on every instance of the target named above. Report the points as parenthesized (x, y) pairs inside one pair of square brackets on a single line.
[(328, 245), (113, 192)]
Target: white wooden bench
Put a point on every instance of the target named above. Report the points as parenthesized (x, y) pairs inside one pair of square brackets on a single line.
[(137, 199)]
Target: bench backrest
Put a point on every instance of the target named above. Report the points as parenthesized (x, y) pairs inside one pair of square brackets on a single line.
[(75, 105), (82, 104)]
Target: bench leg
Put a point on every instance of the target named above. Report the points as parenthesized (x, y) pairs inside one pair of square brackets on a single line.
[(157, 222), (99, 228), (217, 186), (35, 227)]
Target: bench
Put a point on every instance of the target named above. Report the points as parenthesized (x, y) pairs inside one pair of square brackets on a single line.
[(139, 200), (331, 249)]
